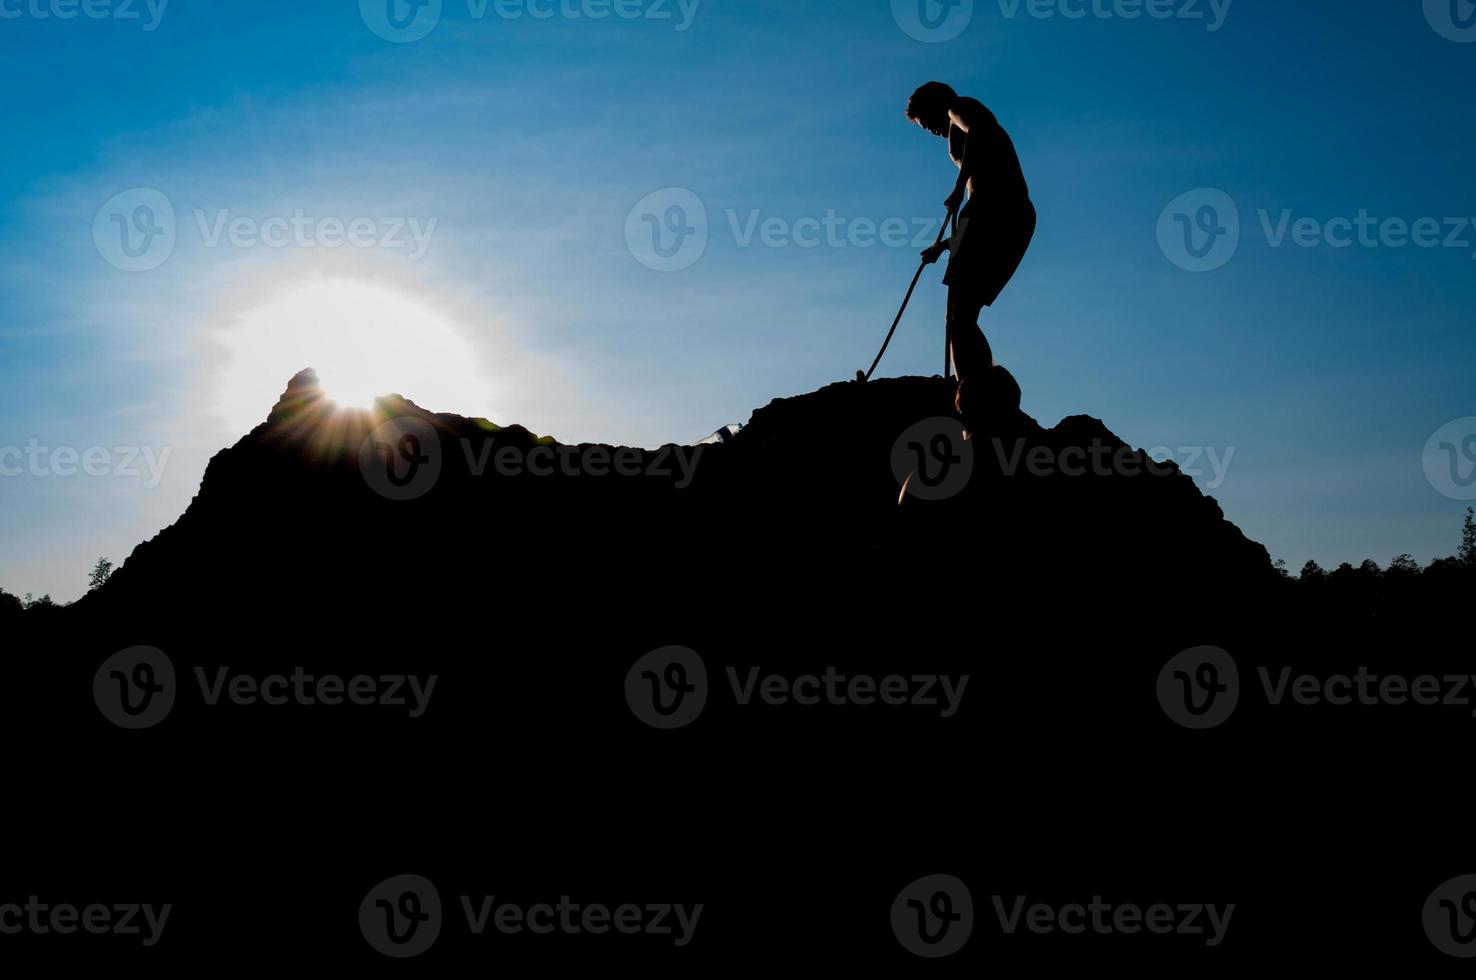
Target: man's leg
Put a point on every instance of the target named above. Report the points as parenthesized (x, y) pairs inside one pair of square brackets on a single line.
[(972, 355)]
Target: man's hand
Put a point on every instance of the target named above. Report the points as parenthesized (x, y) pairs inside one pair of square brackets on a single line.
[(955, 200), (933, 253)]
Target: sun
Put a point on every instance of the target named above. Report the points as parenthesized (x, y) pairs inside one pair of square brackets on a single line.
[(364, 340)]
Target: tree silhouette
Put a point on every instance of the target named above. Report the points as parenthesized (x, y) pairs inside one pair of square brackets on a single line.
[(1403, 566), (99, 574)]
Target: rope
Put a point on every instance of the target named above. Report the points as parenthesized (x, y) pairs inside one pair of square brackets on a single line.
[(908, 298)]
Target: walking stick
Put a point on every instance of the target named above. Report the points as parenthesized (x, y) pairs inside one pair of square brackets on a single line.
[(947, 343)]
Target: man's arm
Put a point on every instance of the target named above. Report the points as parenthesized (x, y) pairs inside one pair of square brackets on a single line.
[(958, 148), (965, 117)]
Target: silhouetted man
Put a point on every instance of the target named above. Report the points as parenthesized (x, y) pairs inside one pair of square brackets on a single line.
[(994, 228)]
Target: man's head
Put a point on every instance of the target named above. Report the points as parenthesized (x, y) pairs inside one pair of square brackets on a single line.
[(929, 107)]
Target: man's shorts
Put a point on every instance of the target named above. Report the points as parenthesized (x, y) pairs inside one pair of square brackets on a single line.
[(994, 241)]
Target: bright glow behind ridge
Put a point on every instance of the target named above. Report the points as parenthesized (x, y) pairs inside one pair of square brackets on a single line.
[(364, 341)]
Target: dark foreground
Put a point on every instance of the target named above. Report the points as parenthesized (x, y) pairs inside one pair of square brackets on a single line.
[(737, 709)]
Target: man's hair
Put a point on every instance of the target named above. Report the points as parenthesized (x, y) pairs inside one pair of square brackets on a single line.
[(931, 94)]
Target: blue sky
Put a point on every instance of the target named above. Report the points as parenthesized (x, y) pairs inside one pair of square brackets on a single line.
[(523, 145)]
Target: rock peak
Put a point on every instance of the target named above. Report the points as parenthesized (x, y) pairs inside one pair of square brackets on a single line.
[(302, 391), (306, 378)]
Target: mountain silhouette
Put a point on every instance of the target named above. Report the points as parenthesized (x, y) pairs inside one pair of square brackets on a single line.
[(1025, 600), (810, 480)]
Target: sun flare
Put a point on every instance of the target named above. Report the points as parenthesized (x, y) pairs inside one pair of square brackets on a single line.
[(364, 341)]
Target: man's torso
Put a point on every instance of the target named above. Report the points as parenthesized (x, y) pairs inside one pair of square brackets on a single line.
[(998, 181)]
